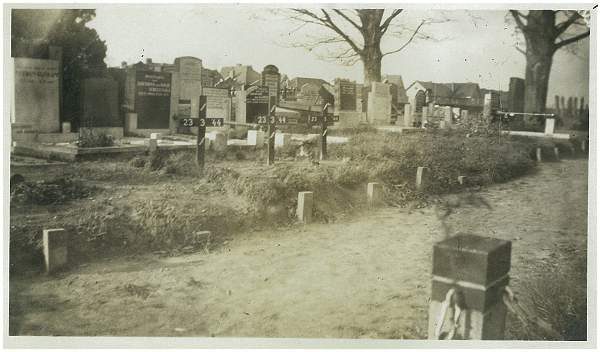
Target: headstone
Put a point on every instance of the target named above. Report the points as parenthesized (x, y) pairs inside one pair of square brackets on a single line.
[(448, 115), (470, 274), (282, 139), (66, 127), (55, 243), (379, 104), (217, 103), (490, 105), (374, 194), (100, 103), (152, 145), (256, 138), (254, 102), (549, 127), (271, 78), (345, 95), (464, 116), (218, 140), (462, 180), (516, 95), (152, 99), (35, 94), (186, 89), (305, 207)]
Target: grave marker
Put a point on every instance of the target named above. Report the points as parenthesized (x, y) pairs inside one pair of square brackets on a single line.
[(305, 206), (201, 138), (374, 194), (55, 243)]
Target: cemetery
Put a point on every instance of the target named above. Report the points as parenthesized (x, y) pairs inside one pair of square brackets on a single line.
[(183, 200)]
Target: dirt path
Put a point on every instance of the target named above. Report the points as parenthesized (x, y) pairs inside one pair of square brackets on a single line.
[(367, 277)]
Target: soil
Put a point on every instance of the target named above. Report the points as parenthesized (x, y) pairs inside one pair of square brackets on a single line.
[(365, 277)]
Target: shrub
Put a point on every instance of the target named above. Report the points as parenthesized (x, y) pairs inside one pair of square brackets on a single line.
[(89, 139), (138, 162), (156, 160)]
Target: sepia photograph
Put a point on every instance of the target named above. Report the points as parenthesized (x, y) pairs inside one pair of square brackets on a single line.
[(299, 175)]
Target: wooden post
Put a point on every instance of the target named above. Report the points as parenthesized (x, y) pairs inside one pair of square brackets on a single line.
[(271, 136), (305, 207), (201, 138), (470, 274), (422, 179), (323, 155), (538, 154)]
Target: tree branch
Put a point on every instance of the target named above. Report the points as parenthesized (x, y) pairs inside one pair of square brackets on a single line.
[(336, 29), (517, 16), (388, 20), (407, 42), (561, 27), (339, 12), (571, 40)]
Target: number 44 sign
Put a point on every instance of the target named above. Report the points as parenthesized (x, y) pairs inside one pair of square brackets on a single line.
[(208, 122)]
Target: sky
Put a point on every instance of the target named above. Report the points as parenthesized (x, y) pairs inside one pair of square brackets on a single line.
[(473, 46)]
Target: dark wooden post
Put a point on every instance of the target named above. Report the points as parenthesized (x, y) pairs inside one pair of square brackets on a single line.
[(201, 139), (271, 135), (324, 132)]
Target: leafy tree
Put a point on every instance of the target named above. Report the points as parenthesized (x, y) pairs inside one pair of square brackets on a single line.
[(83, 52), (545, 32)]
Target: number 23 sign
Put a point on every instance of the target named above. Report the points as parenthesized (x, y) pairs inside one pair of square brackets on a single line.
[(208, 122)]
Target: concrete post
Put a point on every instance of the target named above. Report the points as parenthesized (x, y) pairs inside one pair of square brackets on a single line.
[(282, 139), (556, 153), (374, 194), (305, 206), (218, 141), (256, 138), (66, 127), (469, 273), (462, 180), (549, 128), (152, 144), (422, 178), (538, 154), (55, 243)]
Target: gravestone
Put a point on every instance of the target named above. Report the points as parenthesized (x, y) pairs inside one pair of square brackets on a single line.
[(35, 94), (379, 104), (345, 95), (407, 117), (254, 102), (152, 99), (186, 85), (491, 103), (270, 78), (217, 103), (100, 103), (516, 94)]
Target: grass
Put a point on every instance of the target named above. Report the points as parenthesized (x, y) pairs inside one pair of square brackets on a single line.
[(236, 189)]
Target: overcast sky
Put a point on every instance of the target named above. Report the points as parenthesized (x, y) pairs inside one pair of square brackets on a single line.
[(475, 47)]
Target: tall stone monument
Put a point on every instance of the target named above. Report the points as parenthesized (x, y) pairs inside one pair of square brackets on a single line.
[(35, 94), (270, 78), (379, 106)]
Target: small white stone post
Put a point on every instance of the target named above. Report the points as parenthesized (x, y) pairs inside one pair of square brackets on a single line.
[(374, 194), (538, 154), (305, 207), (422, 178), (55, 243)]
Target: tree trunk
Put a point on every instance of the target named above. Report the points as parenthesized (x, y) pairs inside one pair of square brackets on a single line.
[(371, 69), (540, 50), (371, 55)]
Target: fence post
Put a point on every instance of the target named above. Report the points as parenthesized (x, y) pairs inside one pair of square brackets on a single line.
[(469, 276), (538, 154)]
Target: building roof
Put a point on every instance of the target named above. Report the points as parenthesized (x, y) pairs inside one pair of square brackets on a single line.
[(451, 90), (300, 81)]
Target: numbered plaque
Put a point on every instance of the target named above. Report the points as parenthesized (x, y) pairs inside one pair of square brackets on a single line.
[(207, 122)]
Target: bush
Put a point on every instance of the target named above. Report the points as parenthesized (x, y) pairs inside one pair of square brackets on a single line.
[(138, 162), (350, 174), (89, 139)]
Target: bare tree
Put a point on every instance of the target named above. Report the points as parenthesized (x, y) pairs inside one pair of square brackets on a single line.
[(360, 31), (545, 32)]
